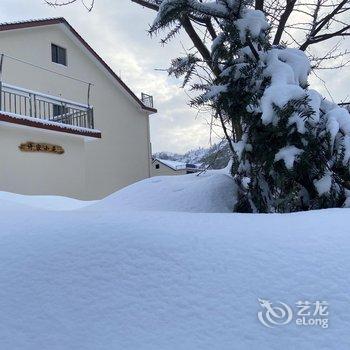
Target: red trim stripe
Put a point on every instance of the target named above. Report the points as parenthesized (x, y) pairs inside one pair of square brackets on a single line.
[(34, 124)]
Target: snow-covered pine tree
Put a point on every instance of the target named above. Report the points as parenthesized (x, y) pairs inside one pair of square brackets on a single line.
[(290, 147)]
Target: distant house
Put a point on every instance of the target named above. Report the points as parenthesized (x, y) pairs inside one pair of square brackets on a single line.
[(162, 167), (68, 124)]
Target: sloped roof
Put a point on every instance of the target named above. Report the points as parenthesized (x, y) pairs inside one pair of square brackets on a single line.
[(172, 164), (61, 20), (175, 165)]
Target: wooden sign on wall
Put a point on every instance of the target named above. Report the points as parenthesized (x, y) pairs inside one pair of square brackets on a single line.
[(41, 147)]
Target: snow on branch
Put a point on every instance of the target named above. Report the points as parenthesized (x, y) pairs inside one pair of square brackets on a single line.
[(89, 6)]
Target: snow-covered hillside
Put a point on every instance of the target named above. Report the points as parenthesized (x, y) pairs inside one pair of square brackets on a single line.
[(193, 156), (134, 272)]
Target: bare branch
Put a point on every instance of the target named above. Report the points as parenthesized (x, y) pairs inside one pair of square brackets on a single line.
[(58, 3), (283, 20), (259, 5), (252, 48), (147, 4), (324, 23), (198, 43)]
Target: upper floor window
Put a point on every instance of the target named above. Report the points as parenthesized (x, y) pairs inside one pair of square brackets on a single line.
[(59, 54)]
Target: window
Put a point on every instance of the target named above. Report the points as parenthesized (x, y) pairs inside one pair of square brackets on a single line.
[(157, 166), (59, 110), (59, 54)]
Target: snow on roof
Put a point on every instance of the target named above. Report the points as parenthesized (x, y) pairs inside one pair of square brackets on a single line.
[(172, 164), (175, 165)]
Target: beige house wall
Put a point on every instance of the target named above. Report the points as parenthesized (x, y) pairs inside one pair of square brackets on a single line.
[(122, 156), (32, 172), (164, 170)]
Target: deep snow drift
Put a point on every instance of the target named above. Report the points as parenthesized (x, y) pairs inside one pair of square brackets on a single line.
[(12, 200), (104, 277), (209, 192)]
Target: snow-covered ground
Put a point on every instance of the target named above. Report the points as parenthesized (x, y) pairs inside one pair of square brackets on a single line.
[(42, 202), (157, 266)]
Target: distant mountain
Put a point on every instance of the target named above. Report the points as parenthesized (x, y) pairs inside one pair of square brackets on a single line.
[(215, 157)]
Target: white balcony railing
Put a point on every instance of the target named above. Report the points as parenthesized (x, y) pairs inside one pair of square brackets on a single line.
[(45, 107), (147, 100)]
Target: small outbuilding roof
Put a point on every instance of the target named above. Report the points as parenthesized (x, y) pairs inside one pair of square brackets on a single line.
[(175, 165)]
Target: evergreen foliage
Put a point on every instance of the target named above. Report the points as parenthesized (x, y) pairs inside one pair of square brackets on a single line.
[(290, 147)]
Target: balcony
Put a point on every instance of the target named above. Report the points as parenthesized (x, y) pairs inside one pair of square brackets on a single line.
[(45, 108), (147, 100)]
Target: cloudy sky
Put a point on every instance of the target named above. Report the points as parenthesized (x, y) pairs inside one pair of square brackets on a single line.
[(116, 29)]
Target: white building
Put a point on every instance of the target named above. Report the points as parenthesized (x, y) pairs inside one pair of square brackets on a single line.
[(161, 167), (68, 124)]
